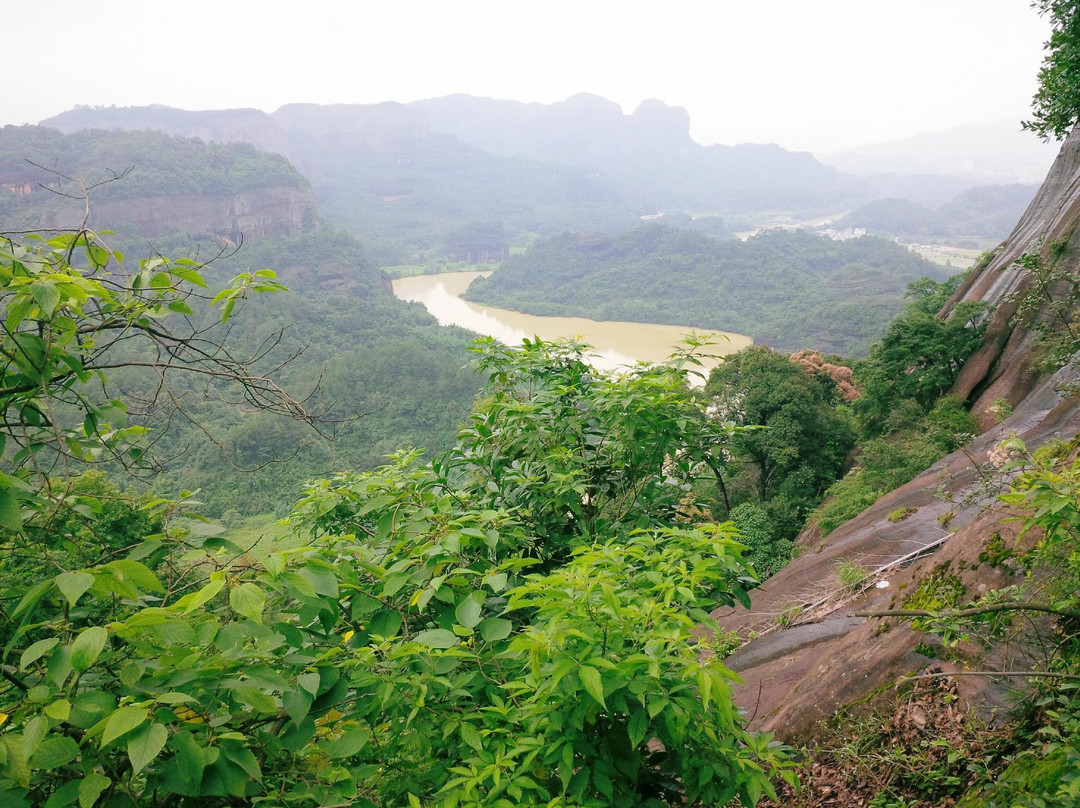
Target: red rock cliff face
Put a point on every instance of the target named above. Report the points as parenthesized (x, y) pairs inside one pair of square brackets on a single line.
[(250, 215), (1003, 366), (825, 657)]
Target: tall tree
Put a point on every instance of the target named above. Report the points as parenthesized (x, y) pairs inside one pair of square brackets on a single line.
[(801, 440)]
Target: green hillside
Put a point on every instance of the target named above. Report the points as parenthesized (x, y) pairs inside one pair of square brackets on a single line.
[(788, 289)]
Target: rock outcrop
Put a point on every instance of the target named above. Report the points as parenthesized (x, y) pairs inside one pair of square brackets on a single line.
[(250, 215), (810, 655)]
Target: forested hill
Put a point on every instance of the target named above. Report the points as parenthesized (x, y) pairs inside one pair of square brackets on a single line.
[(975, 217), (375, 364), (169, 184), (789, 289)]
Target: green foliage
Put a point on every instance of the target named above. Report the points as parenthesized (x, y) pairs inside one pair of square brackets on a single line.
[(1053, 290), (900, 514), (799, 439), (914, 441), (850, 574), (769, 545), (443, 636), (794, 444), (369, 364), (73, 312), (1056, 105), (787, 289), (580, 453), (920, 356)]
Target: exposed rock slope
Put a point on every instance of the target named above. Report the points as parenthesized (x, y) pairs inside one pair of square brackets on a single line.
[(825, 658)]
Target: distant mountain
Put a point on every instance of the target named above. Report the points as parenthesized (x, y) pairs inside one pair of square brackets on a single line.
[(997, 152), (211, 126), (406, 175), (650, 150), (229, 191), (384, 172)]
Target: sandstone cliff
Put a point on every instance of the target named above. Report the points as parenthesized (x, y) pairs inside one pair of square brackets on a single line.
[(811, 656), (249, 215)]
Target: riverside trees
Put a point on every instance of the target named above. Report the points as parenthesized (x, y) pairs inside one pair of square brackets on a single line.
[(512, 623)]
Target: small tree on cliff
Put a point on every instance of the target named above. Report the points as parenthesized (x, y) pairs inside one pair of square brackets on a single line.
[(1056, 105)]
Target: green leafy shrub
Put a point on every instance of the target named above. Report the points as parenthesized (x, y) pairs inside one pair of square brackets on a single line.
[(767, 549), (514, 623)]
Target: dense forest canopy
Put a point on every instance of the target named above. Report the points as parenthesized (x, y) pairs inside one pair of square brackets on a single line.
[(787, 289), (158, 164)]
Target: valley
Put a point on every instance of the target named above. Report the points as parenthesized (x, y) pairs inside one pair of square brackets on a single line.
[(286, 520)]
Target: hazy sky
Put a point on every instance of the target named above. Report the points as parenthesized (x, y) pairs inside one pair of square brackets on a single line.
[(808, 74)]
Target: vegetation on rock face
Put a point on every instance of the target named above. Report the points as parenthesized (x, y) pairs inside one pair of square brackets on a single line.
[(906, 421), (513, 623), (921, 354)]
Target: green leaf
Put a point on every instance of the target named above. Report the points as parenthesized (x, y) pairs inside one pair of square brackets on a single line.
[(136, 574), (190, 603), (91, 787), (65, 795), (145, 745), (73, 585), (87, 647), (59, 710), (36, 652), (322, 580), (437, 638), (638, 725), (47, 297), (471, 736), (53, 753), (190, 757), (590, 678), (122, 722), (495, 628), (386, 623), (248, 601), (468, 611), (242, 757), (348, 744), (10, 512)]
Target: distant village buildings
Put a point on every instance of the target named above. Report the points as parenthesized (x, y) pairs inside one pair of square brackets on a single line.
[(847, 234)]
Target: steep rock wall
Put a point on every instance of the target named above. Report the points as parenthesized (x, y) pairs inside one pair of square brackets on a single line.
[(811, 655), (251, 215), (1003, 367)]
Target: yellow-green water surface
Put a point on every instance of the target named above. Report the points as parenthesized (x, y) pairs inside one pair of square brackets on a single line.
[(615, 343)]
